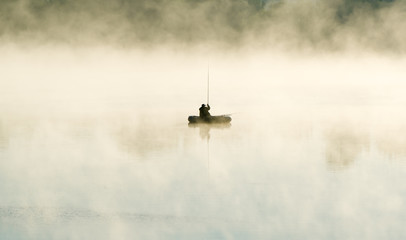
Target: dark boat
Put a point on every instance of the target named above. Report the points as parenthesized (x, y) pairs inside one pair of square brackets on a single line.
[(212, 119)]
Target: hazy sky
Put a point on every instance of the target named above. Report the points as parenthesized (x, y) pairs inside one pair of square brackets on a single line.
[(334, 25), (95, 96)]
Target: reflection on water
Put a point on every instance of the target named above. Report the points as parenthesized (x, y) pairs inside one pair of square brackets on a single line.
[(110, 155), (75, 177), (3, 137), (392, 141), (344, 144), (204, 129), (146, 135)]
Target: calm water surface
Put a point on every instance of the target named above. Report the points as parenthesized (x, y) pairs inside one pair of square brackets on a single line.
[(103, 178), (113, 167)]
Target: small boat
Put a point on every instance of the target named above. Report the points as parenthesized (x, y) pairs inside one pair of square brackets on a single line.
[(220, 119), (211, 120)]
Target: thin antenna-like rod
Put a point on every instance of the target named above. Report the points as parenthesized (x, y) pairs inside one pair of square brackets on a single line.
[(208, 82)]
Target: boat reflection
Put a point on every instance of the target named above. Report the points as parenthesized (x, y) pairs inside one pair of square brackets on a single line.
[(206, 127)]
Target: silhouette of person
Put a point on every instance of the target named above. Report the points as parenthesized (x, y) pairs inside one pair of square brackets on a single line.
[(204, 112)]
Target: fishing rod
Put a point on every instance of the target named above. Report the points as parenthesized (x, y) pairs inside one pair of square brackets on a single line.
[(208, 82)]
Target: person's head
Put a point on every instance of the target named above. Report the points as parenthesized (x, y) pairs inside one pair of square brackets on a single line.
[(203, 105)]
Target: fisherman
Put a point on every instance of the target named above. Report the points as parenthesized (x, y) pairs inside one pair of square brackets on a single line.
[(204, 112)]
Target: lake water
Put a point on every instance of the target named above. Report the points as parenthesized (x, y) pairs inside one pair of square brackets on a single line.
[(98, 149)]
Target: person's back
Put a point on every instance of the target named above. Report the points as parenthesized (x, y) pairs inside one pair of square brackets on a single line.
[(204, 111)]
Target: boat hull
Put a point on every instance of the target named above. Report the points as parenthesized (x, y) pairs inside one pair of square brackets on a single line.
[(213, 119)]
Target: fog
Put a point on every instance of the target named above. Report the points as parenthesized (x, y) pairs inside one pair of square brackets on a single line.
[(95, 143), (306, 25)]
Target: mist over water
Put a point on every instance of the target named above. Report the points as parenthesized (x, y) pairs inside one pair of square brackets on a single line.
[(225, 25), (94, 139)]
